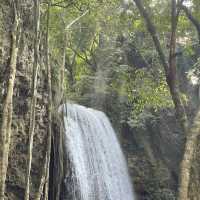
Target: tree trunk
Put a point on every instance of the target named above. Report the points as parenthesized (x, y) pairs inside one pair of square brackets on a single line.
[(34, 96), (170, 71), (5, 133), (50, 106), (172, 76), (62, 72), (190, 147), (44, 182)]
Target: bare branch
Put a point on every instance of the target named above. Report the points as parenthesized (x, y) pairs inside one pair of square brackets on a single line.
[(77, 19), (152, 30)]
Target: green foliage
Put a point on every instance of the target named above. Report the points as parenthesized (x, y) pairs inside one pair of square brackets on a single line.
[(157, 184), (103, 51), (146, 92), (92, 49)]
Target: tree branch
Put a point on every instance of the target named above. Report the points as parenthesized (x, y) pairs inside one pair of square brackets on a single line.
[(82, 57), (75, 20), (194, 21), (152, 30)]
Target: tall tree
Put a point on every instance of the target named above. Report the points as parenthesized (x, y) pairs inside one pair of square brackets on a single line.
[(50, 106), (169, 67), (170, 73), (44, 181), (5, 133), (34, 95), (186, 163)]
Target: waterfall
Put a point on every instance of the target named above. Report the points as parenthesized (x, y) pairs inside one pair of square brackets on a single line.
[(98, 167)]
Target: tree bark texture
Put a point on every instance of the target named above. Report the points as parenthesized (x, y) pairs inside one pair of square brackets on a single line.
[(34, 95)]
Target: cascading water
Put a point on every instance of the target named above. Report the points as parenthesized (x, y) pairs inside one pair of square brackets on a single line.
[(98, 167)]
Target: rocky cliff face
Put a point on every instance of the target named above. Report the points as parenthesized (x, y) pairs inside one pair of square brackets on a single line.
[(21, 108)]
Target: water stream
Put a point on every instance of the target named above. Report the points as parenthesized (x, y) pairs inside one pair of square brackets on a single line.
[(98, 166)]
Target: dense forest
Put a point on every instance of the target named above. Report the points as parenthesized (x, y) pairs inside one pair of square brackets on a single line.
[(138, 61)]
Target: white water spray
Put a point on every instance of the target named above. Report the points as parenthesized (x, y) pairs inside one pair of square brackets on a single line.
[(99, 170)]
